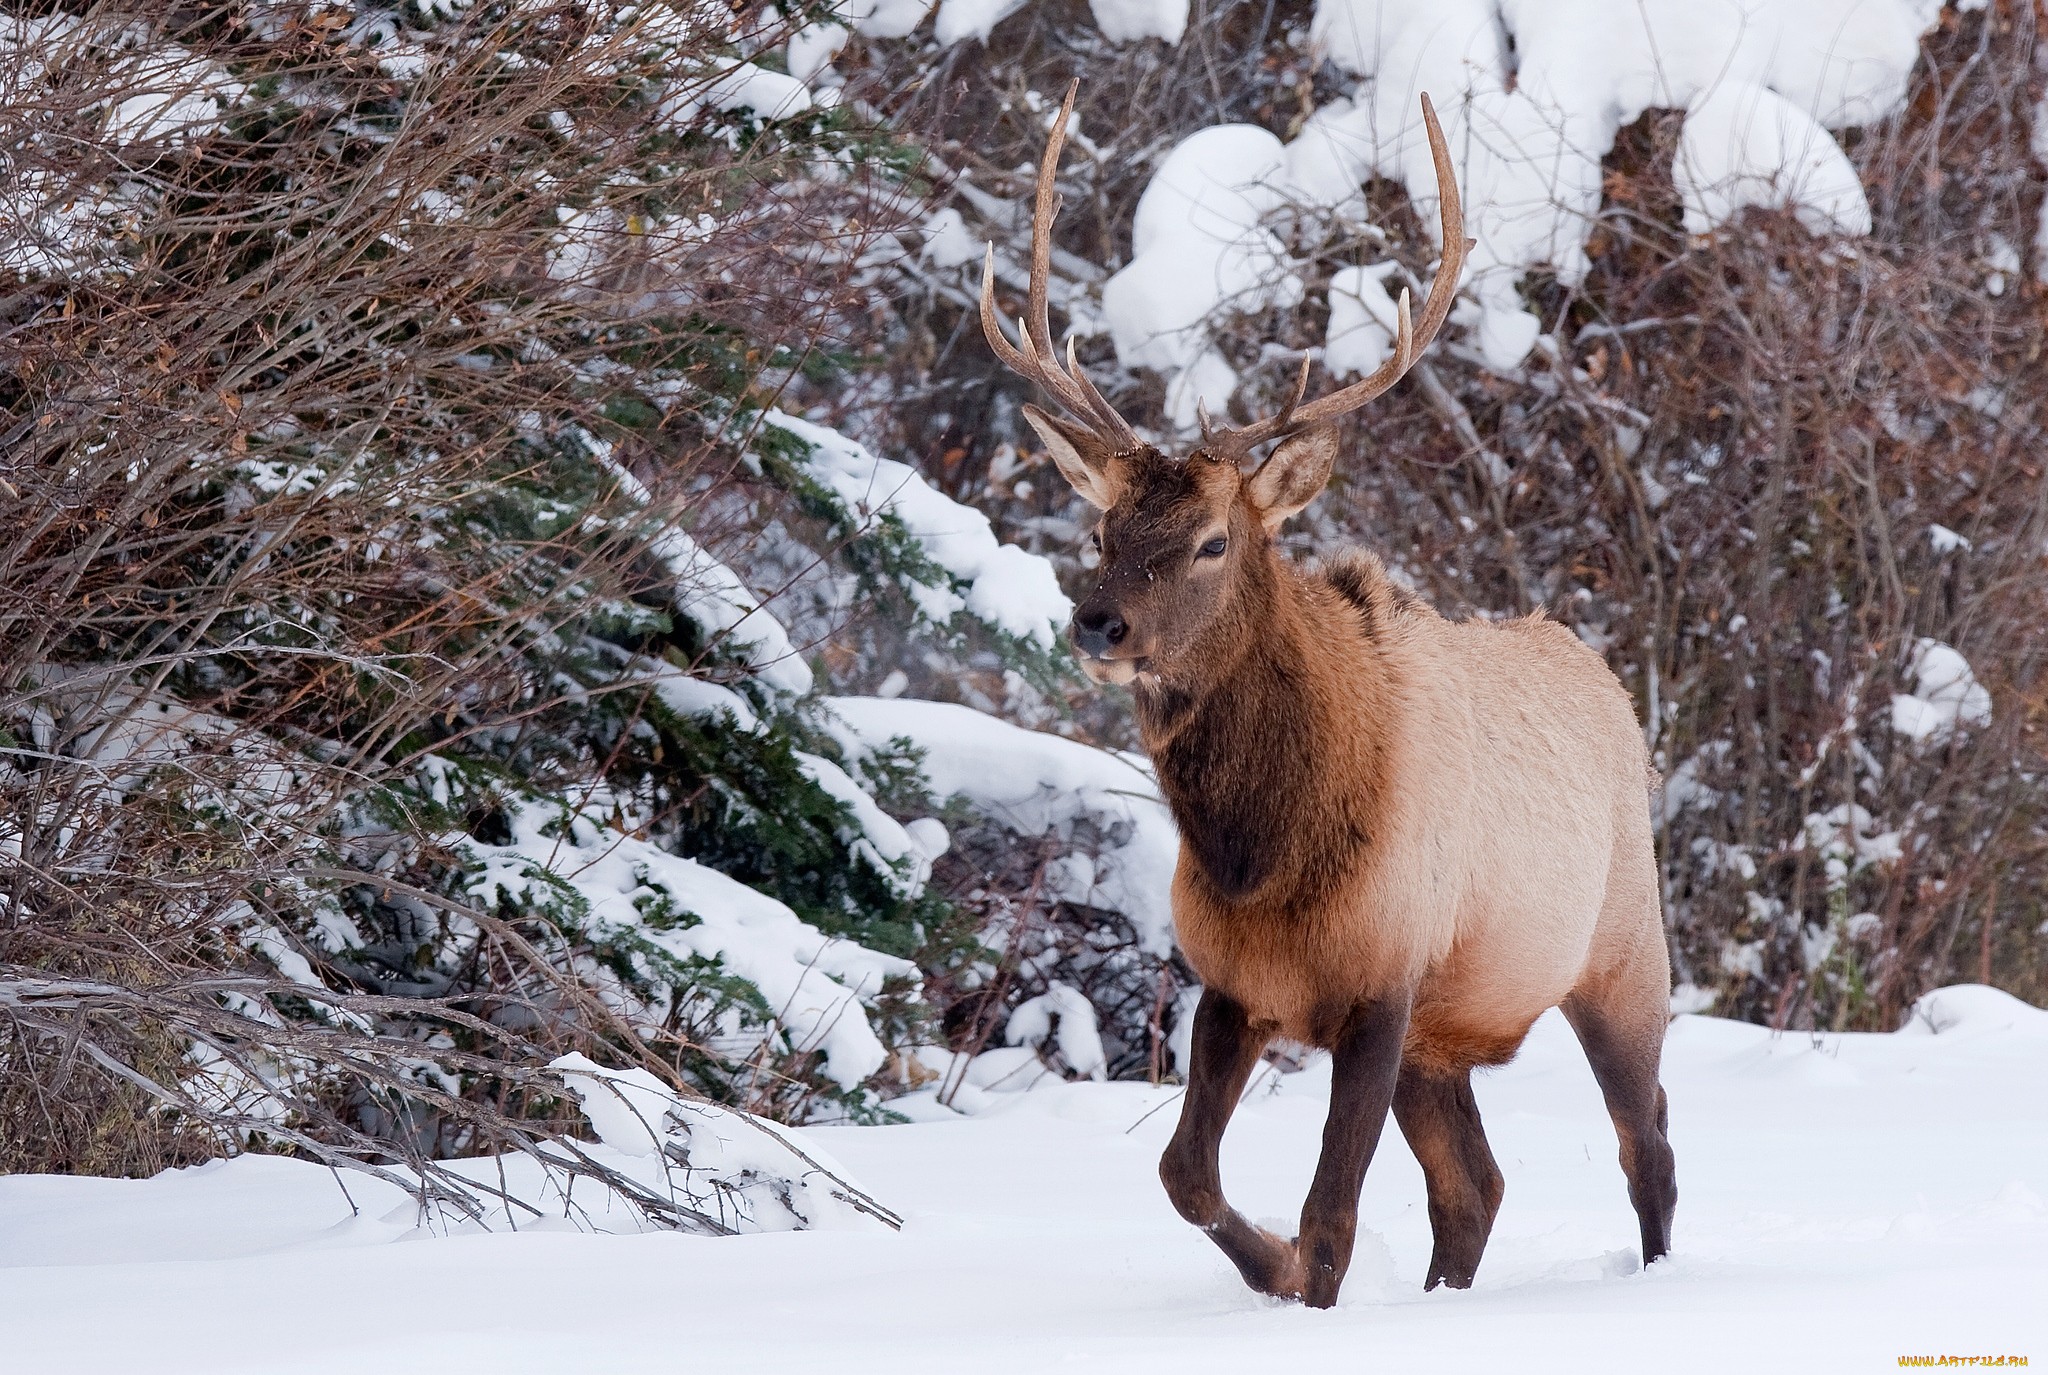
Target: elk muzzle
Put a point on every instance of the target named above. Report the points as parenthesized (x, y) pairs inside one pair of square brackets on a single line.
[(1101, 638)]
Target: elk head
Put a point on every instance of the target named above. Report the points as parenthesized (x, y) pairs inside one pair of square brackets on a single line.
[(1181, 536)]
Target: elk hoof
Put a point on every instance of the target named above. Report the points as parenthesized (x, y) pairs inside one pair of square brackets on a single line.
[(1321, 1276), (1451, 1276), (1279, 1273)]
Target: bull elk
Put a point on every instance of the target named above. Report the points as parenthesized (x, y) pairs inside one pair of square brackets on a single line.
[(1403, 838)]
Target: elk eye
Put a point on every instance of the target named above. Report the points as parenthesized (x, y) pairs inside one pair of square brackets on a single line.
[(1212, 550)]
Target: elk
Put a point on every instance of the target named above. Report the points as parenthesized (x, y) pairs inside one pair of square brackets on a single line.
[(1403, 838)]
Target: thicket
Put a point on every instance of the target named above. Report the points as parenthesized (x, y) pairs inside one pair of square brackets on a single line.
[(359, 366)]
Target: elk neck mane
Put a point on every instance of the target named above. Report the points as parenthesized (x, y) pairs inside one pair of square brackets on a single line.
[(1271, 735)]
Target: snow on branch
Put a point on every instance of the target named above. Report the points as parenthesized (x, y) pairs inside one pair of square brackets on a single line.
[(1032, 783), (1000, 585), (1946, 694), (713, 597), (739, 1172), (630, 894), (1532, 94)]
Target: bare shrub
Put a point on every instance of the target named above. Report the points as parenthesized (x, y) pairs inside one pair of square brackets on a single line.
[(348, 378)]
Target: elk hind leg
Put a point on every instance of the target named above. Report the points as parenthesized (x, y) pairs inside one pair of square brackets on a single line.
[(1440, 1119), (1620, 1023)]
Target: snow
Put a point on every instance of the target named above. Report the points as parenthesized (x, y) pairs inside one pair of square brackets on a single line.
[(998, 584), (696, 699), (1208, 382), (966, 1081), (1197, 244), (1120, 21), (1847, 838), (1947, 541), (947, 240), (1971, 1010), (812, 48), (625, 1107), (963, 19), (1531, 94), (1682, 786), (887, 18), (713, 597), (54, 227), (2003, 260), (765, 94), (817, 986), (1946, 694), (885, 843), (1844, 1200), (1063, 1015), (1445, 45), (746, 1174), (1033, 783), (1001, 585), (27, 42), (2038, 139), (928, 833), (172, 93), (1364, 321), (1690, 997), (1743, 145), (1127, 21)]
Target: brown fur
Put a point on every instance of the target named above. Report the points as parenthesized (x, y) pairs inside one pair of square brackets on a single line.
[(1393, 826)]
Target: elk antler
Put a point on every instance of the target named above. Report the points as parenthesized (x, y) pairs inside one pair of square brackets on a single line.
[(1035, 359), (1224, 441)]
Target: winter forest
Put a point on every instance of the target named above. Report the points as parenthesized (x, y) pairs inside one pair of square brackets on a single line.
[(537, 718)]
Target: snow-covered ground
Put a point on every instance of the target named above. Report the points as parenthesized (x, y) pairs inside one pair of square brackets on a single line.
[(1842, 1202)]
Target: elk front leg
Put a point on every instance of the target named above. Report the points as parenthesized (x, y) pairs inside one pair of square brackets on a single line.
[(1226, 1047), (1366, 1064)]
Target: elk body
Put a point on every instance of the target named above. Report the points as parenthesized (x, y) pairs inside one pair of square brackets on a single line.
[(1402, 838)]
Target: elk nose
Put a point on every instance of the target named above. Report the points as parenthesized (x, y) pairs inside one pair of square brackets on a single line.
[(1095, 631)]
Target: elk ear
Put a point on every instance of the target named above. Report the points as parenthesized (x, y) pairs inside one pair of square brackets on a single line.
[(1294, 476), (1081, 458)]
